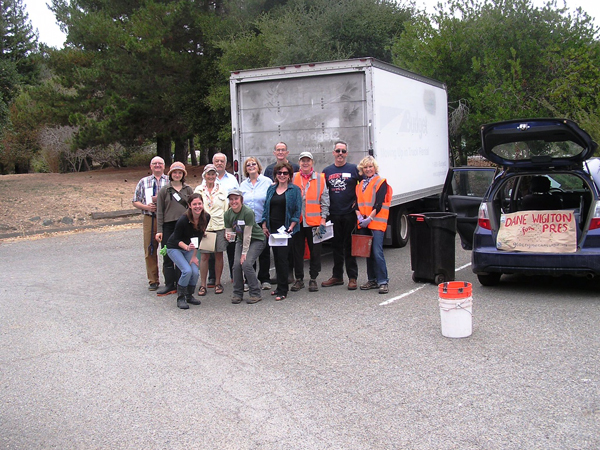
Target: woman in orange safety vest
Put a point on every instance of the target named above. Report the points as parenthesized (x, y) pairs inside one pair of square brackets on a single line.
[(373, 200)]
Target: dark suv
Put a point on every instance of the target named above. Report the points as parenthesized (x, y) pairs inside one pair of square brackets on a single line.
[(541, 213)]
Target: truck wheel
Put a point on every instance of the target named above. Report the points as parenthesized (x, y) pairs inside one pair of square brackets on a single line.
[(489, 279), (400, 230)]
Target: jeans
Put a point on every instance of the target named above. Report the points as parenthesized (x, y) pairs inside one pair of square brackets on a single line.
[(341, 244), (314, 249), (376, 267), (189, 272), (246, 270)]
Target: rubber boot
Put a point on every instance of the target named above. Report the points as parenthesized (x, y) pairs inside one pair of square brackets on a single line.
[(181, 303), (170, 286), (189, 297)]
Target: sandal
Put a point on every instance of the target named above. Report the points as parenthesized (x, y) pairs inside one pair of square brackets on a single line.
[(273, 292), (202, 291), (279, 298), (218, 289)]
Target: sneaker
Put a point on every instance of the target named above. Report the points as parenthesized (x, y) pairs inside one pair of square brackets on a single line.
[(153, 287), (253, 300), (266, 286), (313, 286), (369, 285), (352, 284), (332, 282), (299, 284), (236, 300), (246, 287), (384, 289)]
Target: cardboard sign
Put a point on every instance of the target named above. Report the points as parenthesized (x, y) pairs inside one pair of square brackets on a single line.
[(538, 231)]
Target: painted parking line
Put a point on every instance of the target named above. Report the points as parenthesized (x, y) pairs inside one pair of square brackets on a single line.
[(412, 291)]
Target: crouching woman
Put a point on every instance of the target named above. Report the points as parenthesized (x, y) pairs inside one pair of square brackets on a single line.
[(240, 225), (181, 248)]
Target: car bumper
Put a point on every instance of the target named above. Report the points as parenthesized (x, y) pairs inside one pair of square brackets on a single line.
[(486, 258)]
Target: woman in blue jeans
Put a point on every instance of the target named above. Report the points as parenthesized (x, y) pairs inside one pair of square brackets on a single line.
[(182, 250), (373, 200)]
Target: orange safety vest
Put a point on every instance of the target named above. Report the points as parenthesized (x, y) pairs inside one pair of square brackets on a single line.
[(366, 203), (312, 198)]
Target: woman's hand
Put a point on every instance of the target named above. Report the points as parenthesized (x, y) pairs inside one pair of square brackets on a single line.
[(265, 230), (242, 259), (158, 237), (194, 260), (191, 247)]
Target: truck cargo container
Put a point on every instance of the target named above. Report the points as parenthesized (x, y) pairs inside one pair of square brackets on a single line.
[(398, 117)]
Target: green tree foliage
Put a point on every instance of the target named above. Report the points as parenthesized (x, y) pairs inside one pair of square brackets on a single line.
[(19, 68), (132, 70), (506, 59)]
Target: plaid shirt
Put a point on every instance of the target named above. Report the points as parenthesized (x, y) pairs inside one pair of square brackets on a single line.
[(148, 182)]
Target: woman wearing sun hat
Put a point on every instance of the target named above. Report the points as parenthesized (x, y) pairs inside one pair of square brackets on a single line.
[(215, 204), (171, 204)]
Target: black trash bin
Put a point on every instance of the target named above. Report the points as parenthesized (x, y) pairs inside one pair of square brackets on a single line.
[(432, 241)]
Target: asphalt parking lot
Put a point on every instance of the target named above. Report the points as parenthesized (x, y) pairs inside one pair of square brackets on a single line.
[(90, 359)]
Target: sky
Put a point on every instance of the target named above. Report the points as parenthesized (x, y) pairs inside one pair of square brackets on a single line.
[(43, 19)]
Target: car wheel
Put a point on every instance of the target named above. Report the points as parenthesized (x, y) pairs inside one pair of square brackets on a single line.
[(489, 279)]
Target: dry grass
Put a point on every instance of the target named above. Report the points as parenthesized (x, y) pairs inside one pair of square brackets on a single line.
[(30, 200)]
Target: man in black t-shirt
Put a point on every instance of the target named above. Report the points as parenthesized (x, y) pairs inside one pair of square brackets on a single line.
[(342, 178)]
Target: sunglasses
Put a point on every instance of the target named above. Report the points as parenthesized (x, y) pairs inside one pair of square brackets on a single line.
[(283, 173), (251, 164), (341, 150)]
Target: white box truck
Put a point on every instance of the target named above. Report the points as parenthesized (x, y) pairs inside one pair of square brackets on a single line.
[(397, 116)]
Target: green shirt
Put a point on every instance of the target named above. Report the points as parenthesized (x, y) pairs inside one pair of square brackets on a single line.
[(239, 222)]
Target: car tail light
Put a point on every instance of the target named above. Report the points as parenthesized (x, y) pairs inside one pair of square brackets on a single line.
[(483, 219), (595, 222)]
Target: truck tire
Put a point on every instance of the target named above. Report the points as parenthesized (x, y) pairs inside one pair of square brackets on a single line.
[(400, 231)]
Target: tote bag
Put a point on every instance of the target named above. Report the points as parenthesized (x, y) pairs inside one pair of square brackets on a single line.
[(208, 241)]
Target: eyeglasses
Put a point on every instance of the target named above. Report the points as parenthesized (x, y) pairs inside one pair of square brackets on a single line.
[(283, 173), (281, 150), (157, 164), (251, 164), (341, 150)]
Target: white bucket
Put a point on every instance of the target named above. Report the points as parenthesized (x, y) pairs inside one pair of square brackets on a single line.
[(456, 309)]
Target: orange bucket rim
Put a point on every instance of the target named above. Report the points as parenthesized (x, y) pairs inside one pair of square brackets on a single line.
[(455, 289)]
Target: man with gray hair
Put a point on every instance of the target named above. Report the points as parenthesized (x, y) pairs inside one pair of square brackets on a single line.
[(144, 198)]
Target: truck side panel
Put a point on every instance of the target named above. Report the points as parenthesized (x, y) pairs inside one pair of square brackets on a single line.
[(410, 136)]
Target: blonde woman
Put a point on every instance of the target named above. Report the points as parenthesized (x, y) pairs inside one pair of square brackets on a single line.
[(254, 189), (373, 200)]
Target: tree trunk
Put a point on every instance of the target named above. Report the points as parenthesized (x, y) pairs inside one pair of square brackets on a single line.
[(192, 151), (163, 149), (180, 150)]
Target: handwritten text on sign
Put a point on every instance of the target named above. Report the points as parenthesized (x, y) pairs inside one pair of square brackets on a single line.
[(538, 231)]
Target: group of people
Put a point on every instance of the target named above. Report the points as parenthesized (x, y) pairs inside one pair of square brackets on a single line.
[(287, 197)]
